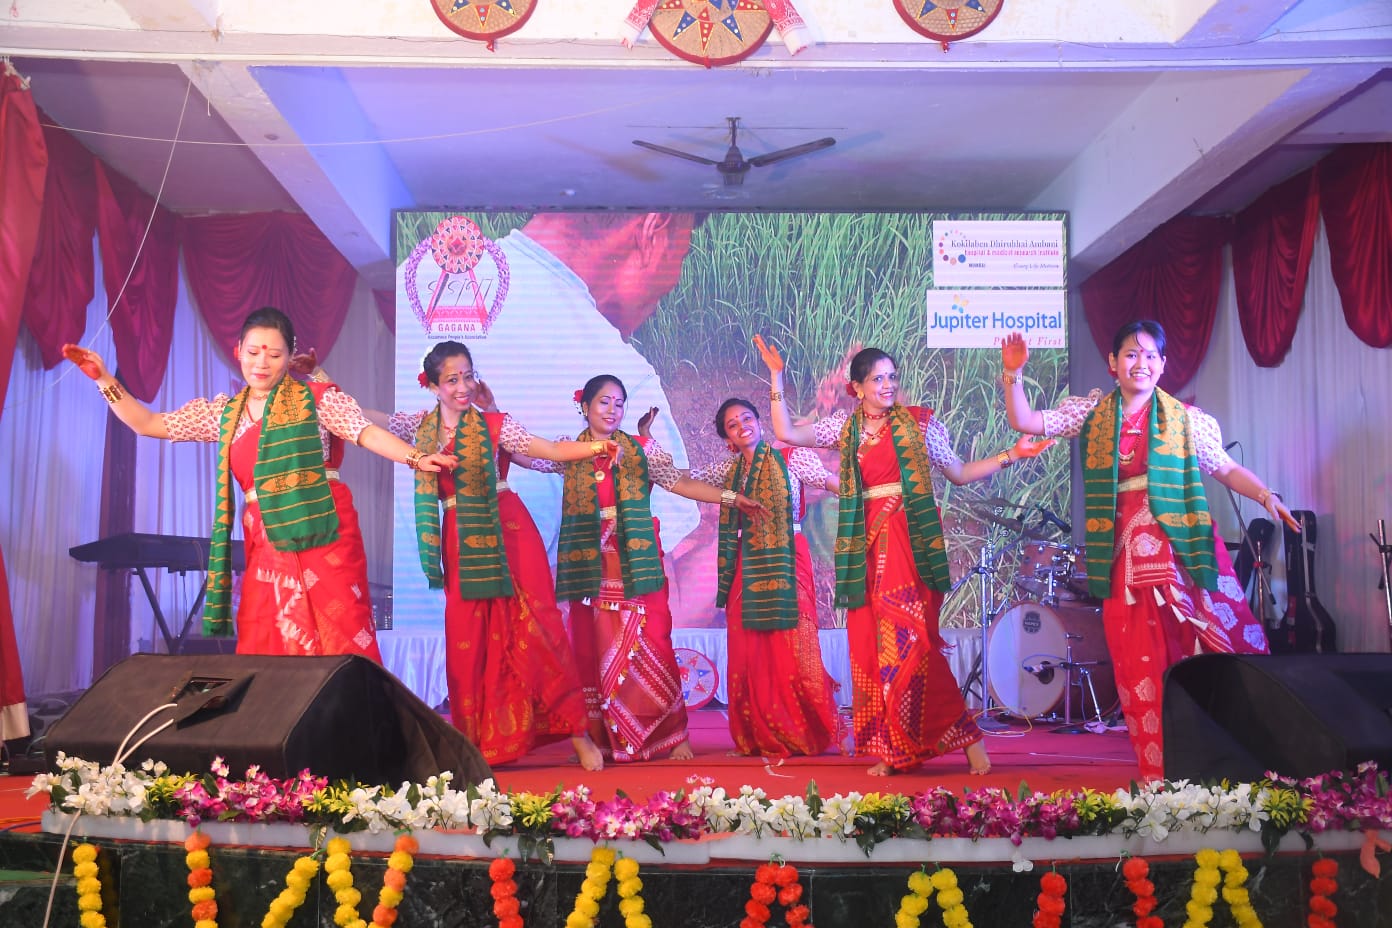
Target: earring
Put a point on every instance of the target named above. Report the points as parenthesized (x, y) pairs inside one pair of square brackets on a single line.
[(731, 446)]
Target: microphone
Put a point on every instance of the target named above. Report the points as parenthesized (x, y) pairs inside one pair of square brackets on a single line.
[(1048, 518), (1231, 445), (1043, 671)]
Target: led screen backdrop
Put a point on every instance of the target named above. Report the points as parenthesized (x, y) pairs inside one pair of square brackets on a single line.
[(668, 302)]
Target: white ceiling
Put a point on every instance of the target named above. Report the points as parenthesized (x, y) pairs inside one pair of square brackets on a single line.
[(1121, 130)]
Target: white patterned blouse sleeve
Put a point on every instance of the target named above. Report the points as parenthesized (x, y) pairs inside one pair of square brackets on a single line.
[(341, 414), (827, 431), (543, 466), (1208, 441), (404, 425), (1066, 419), (661, 470), (513, 436), (939, 445), (714, 472), (196, 420), (804, 464)]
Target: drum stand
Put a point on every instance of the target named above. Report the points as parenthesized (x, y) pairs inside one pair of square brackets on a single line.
[(985, 569), (1084, 685)]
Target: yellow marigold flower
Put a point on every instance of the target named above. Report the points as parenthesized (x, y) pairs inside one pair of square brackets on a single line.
[(920, 883), (1229, 859), (1236, 876), (89, 903), (625, 868), (280, 908), (339, 879), (1207, 877), (596, 871), (400, 860), (957, 917), (85, 869), (592, 890), (270, 921), (630, 907), (307, 865), (345, 914), (350, 896), (1205, 895), (630, 887), (587, 906), (196, 860), (389, 897), (1236, 896), (336, 862), (1207, 858), (943, 879), (638, 921), (338, 846), (200, 894), (84, 853), (92, 920), (576, 920), (1198, 912), (603, 855), (948, 898), (205, 923), (914, 905), (903, 919), (88, 884), (297, 881)]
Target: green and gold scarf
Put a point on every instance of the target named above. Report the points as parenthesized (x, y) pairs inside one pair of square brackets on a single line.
[(578, 571), (291, 486), (1174, 489), (921, 509), (482, 561), (764, 549)]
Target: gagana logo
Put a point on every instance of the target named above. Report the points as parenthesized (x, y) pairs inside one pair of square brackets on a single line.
[(949, 251)]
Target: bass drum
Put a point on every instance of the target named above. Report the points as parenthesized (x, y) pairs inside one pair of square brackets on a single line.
[(1037, 636)]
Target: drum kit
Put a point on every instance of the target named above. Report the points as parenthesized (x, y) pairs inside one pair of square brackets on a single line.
[(1042, 645)]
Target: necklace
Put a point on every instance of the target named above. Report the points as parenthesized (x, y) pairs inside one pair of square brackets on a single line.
[(1130, 431), (872, 416)]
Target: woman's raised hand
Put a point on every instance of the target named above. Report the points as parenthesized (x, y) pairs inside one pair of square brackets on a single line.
[(304, 363), (770, 354), (89, 362), (434, 463), (645, 422), (484, 398), (1014, 352), (1027, 446)]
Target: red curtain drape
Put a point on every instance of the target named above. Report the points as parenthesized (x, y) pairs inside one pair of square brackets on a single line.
[(142, 298), (386, 305), (61, 279), (1356, 200), (1271, 246), (236, 264), (23, 163), (1172, 276)]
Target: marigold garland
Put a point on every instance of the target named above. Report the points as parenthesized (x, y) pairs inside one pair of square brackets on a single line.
[(1136, 871), (592, 890), (950, 899), (200, 881), (505, 905), (1205, 891), (1052, 887), (1322, 886), (775, 882), (89, 902), (393, 889), (912, 906), (339, 867), (297, 883)]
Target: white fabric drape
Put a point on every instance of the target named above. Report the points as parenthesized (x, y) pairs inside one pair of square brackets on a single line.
[(1316, 429)]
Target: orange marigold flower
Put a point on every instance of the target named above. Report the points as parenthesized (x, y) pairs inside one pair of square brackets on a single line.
[(198, 841), (763, 893), (394, 879), (789, 895), (408, 844), (756, 909), (383, 915), (765, 873), (502, 868), (1135, 868), (205, 911), (203, 876), (1053, 883), (502, 889), (506, 908), (1326, 867), (785, 875)]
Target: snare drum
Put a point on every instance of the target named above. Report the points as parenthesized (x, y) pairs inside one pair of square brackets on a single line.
[(1037, 636), (1048, 572)]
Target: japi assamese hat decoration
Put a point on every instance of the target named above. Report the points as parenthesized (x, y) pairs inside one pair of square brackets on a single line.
[(487, 21), (715, 32)]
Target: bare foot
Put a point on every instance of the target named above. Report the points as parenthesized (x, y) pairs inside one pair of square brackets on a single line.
[(682, 751), (588, 753), (881, 769), (978, 759)]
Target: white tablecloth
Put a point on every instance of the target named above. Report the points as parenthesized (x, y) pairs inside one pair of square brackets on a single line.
[(418, 659)]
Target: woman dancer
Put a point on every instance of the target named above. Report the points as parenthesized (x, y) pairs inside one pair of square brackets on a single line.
[(891, 562), (512, 679), (780, 694), (304, 590), (1154, 558), (609, 565)]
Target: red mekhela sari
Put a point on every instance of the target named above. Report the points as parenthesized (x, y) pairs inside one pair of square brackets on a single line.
[(907, 706), (512, 682)]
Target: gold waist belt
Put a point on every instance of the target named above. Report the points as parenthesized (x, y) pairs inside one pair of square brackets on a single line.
[(1133, 483), (502, 488), (882, 490), (330, 472)]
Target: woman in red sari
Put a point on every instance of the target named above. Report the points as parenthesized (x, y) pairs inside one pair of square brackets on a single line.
[(512, 679), (609, 565), (891, 562), (304, 591), (1154, 558), (780, 695)]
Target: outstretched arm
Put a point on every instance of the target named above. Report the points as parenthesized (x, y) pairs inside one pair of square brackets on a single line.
[(1245, 483), (142, 420), (783, 425), (705, 493), (379, 441), (568, 451), (1018, 411), (971, 471)]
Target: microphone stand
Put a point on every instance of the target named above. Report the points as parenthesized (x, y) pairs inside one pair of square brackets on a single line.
[(1385, 555), (1265, 599)]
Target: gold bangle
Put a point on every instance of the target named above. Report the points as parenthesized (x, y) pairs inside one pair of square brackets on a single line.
[(775, 396), (112, 393), (413, 459), (1263, 497), (727, 497), (1009, 379), (596, 448), (1004, 460)]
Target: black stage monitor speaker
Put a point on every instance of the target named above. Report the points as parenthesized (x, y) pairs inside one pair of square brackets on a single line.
[(1239, 716), (340, 717)]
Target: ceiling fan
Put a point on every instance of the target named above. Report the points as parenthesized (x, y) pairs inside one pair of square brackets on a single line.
[(734, 165)]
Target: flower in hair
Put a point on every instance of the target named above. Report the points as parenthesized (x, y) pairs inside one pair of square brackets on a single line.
[(578, 396), (850, 389), (422, 379)]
